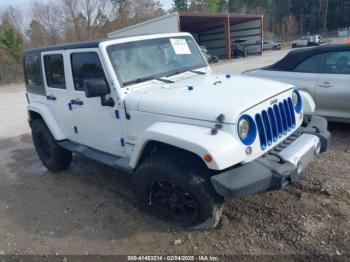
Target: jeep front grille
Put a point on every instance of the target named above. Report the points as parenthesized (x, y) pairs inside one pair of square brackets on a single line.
[(275, 122)]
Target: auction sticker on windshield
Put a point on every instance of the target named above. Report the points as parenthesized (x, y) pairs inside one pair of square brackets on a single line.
[(180, 46)]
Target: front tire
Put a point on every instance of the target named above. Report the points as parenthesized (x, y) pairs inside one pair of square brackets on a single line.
[(53, 157), (176, 188)]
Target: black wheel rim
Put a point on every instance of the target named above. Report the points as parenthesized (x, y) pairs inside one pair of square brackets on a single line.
[(43, 146), (172, 203)]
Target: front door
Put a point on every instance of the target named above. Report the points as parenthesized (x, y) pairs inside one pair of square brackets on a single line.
[(97, 126), (333, 90), (55, 68)]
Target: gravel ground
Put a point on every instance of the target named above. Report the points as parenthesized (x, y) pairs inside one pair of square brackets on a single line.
[(89, 209)]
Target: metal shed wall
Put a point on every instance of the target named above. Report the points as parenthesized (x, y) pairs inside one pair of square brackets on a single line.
[(214, 39), (163, 24), (250, 31), (215, 31)]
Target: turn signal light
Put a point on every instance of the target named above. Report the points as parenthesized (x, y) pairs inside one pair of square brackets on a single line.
[(207, 158)]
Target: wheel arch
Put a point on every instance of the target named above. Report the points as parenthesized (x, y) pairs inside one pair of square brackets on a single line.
[(195, 140), (154, 146), (40, 111)]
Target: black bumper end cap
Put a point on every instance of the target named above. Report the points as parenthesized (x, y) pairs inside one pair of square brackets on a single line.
[(265, 174), (318, 127)]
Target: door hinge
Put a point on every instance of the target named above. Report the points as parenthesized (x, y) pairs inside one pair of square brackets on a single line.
[(70, 106), (116, 114), (122, 142), (75, 130)]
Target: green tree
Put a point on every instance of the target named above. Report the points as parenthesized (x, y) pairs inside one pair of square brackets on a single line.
[(180, 5), (232, 6), (197, 5), (11, 43), (222, 6), (212, 5)]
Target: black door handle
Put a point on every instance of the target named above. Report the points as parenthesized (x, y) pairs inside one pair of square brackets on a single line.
[(51, 97), (76, 102)]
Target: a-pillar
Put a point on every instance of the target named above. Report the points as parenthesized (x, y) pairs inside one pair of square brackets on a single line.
[(227, 37)]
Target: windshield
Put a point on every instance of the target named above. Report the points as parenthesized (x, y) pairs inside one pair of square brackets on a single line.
[(138, 61)]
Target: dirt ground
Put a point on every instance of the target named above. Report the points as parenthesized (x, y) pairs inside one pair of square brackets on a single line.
[(89, 209)]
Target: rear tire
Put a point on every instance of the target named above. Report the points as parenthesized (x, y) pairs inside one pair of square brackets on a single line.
[(175, 187), (53, 157)]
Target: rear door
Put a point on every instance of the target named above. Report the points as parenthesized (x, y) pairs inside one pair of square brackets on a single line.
[(98, 127), (333, 89), (54, 64)]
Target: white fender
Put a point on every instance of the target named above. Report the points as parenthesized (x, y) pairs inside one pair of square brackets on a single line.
[(49, 119), (223, 147), (309, 105)]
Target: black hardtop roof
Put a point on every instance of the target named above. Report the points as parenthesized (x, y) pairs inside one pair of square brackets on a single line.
[(296, 56), (75, 45)]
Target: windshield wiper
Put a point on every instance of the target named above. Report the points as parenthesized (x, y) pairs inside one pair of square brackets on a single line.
[(139, 80), (184, 71), (165, 80), (192, 71), (198, 72)]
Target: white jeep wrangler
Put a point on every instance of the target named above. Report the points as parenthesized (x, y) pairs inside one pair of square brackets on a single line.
[(151, 106)]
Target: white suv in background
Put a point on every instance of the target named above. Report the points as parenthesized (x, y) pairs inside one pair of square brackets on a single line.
[(305, 41)]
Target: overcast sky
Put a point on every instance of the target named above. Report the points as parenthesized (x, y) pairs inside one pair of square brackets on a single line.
[(25, 4)]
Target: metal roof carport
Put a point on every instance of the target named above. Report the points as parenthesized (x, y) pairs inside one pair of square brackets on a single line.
[(216, 31)]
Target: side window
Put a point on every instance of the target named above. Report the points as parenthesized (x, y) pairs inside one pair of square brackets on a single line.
[(338, 63), (54, 71), (86, 66), (312, 64), (32, 74)]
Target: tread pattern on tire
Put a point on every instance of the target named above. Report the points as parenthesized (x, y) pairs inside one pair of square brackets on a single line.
[(61, 158), (185, 167)]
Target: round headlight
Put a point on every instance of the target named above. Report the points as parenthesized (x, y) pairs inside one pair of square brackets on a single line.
[(295, 99), (246, 129), (243, 128), (297, 102)]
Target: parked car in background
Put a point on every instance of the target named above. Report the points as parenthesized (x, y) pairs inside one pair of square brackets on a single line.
[(238, 48), (271, 45), (210, 58), (310, 40), (323, 72)]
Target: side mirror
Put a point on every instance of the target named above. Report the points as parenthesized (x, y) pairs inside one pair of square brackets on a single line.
[(95, 88), (98, 88)]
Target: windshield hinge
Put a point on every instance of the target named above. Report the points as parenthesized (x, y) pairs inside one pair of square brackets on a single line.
[(127, 116)]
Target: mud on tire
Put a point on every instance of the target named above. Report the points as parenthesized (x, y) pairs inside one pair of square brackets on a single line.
[(175, 187), (54, 157)]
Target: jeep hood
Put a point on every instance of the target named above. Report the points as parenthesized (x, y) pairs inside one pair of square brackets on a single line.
[(211, 95)]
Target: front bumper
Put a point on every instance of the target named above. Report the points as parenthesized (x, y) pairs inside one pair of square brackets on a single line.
[(280, 167)]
